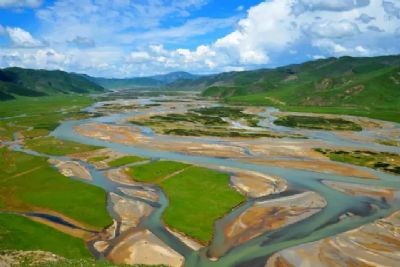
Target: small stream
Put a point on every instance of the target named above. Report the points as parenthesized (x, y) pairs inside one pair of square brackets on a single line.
[(255, 251)]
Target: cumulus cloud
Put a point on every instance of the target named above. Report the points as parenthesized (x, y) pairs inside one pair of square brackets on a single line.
[(22, 38), (20, 3), (334, 29)]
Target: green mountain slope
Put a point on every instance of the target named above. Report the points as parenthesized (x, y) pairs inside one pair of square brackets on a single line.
[(27, 82), (359, 86)]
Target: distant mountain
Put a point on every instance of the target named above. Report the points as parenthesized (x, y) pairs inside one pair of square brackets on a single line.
[(174, 76), (27, 82), (157, 81)]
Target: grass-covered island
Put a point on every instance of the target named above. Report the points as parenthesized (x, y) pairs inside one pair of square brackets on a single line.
[(317, 123), (384, 161), (197, 196), (209, 121)]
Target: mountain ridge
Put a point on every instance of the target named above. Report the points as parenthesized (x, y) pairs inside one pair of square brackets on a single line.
[(15, 82)]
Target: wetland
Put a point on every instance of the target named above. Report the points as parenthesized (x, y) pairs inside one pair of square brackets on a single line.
[(156, 180)]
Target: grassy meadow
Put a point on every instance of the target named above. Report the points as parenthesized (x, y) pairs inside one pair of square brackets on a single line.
[(197, 196), (20, 233)]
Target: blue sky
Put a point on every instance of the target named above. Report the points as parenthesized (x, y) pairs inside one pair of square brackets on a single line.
[(126, 38)]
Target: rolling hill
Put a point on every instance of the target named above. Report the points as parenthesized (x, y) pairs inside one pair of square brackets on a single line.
[(359, 86), (151, 82), (16, 82)]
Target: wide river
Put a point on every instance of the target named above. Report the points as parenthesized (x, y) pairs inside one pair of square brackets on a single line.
[(256, 251)]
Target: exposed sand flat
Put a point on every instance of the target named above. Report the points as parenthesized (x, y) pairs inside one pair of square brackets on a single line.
[(147, 194), (253, 184), (113, 133), (317, 166), (12, 258), (265, 216), (374, 244), (364, 190), (72, 169), (101, 246), (119, 176), (143, 247), (186, 240), (107, 154), (202, 149), (283, 148), (130, 212)]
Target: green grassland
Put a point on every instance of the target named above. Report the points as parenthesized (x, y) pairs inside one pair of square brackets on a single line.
[(152, 171), (384, 161), (198, 196), (355, 86), (43, 114), (320, 123), (52, 146), (28, 181), (20, 233), (125, 161)]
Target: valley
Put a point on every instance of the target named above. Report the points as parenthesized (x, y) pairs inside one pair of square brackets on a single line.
[(195, 182)]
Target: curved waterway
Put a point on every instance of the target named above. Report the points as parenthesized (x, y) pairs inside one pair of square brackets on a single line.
[(329, 221)]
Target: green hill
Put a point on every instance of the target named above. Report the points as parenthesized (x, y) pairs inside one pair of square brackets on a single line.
[(360, 86), (27, 82)]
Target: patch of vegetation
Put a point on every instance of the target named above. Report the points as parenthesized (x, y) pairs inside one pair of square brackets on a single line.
[(156, 170), (125, 161), (28, 182), (198, 197), (44, 113), (230, 133), (52, 146), (34, 133), (190, 117), (312, 122), (388, 142), (20, 233), (384, 161)]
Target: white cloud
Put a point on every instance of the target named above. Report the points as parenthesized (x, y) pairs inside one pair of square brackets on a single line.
[(334, 29), (330, 5), (22, 38), (20, 3), (82, 42), (130, 38)]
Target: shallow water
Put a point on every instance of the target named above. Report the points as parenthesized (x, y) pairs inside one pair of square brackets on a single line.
[(254, 252)]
